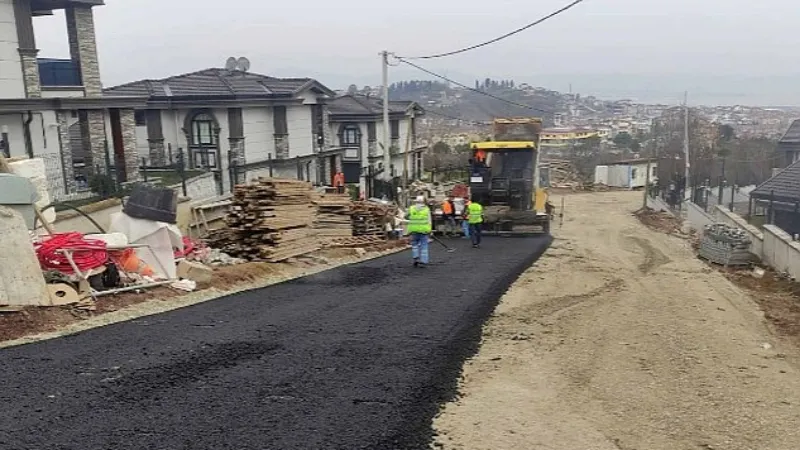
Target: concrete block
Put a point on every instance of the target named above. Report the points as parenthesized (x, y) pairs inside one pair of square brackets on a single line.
[(21, 283), (195, 271)]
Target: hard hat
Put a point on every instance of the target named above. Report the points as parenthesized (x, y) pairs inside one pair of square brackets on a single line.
[(420, 199)]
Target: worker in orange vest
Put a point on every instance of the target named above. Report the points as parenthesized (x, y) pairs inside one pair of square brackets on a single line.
[(449, 215), (338, 182)]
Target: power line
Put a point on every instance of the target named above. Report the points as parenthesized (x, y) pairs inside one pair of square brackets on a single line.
[(500, 38), (429, 72), (471, 122)]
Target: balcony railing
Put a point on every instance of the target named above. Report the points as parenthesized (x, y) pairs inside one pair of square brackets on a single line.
[(58, 72)]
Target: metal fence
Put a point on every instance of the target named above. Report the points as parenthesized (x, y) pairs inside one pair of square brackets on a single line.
[(175, 165)]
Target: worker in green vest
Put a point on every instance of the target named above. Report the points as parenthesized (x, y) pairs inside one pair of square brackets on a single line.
[(419, 228), (475, 220)]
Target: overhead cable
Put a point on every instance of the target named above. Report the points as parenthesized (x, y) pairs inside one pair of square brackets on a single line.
[(500, 38)]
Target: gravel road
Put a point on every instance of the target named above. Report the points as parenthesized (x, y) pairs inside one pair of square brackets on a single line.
[(357, 357), (619, 338)]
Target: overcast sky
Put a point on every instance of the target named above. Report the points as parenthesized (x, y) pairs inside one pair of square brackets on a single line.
[(733, 47)]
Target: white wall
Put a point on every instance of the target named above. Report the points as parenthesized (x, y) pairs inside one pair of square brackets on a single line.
[(601, 175), (200, 187), (619, 176), (259, 131), (697, 217), (142, 146), (298, 119), (780, 252), (60, 93), (12, 84)]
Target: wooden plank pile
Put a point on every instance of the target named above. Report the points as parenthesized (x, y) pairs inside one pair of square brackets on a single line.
[(270, 220), (333, 216), (371, 218), (563, 174), (353, 241)]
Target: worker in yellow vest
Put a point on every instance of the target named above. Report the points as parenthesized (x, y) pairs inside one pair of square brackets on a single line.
[(419, 228), (475, 219)]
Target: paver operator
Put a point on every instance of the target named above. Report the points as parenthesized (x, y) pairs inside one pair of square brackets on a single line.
[(419, 228), (475, 219)]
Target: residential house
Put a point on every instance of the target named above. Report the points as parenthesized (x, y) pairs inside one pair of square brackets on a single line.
[(780, 197), (40, 99), (356, 122), (237, 124), (629, 174), (789, 144)]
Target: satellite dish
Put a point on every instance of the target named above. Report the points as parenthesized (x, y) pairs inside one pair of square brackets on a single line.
[(243, 64), (230, 64)]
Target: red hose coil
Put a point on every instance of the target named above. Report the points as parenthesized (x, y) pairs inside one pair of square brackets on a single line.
[(88, 254)]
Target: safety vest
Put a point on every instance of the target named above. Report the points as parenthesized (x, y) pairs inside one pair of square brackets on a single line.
[(475, 211), (418, 220), (447, 208)]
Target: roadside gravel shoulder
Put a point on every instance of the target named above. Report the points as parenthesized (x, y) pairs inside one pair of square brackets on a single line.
[(620, 339)]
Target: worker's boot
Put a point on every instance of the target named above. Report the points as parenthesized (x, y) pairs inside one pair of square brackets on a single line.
[(416, 262)]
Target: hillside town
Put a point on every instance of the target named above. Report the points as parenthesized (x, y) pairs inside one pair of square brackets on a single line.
[(225, 258)]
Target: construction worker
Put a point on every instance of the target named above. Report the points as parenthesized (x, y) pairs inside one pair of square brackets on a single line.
[(420, 226), (449, 214), (338, 182), (475, 219), (464, 222)]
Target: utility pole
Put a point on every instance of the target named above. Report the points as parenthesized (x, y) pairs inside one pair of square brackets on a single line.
[(686, 142), (387, 159), (405, 158)]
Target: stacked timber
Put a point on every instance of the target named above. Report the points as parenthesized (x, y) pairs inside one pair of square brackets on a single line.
[(333, 216), (269, 220), (372, 218)]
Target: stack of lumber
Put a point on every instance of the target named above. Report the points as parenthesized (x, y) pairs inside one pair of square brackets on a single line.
[(333, 216), (371, 218), (353, 241), (269, 220)]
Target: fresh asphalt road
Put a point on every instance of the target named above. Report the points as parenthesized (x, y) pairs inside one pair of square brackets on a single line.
[(357, 357)]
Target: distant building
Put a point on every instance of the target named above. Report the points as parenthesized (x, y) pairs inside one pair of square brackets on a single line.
[(564, 137), (629, 174), (789, 144), (780, 197), (356, 122)]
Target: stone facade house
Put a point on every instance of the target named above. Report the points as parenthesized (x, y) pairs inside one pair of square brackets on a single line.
[(42, 99), (237, 124), (356, 124)]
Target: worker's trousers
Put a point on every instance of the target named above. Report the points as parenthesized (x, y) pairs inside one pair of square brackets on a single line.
[(475, 233), (419, 247)]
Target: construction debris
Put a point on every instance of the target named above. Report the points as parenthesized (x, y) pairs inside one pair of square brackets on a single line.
[(270, 220), (333, 216), (659, 220), (563, 174)]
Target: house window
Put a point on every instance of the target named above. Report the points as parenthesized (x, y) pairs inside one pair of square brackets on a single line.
[(634, 173), (350, 136), (654, 171), (139, 117), (395, 128), (203, 130)]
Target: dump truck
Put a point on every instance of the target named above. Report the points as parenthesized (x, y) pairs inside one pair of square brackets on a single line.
[(505, 179)]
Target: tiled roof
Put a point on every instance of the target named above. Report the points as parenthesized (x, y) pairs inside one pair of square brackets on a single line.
[(216, 83), (792, 135), (785, 184), (359, 104)]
